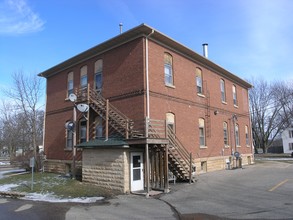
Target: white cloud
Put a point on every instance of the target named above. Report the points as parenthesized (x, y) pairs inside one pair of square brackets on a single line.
[(16, 17)]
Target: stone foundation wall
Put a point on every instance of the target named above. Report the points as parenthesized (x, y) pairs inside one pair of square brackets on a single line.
[(106, 168), (61, 166), (210, 164)]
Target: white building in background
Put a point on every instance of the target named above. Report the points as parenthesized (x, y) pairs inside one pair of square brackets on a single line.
[(287, 137)]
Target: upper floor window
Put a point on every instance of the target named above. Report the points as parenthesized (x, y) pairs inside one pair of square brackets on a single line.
[(98, 127), (234, 91), (82, 131), (226, 138), (198, 73), (83, 77), (168, 68), (290, 133), (237, 135), (70, 83), (223, 90), (246, 135), (201, 126), (99, 75)]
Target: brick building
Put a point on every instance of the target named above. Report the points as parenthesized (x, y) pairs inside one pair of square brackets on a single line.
[(155, 107)]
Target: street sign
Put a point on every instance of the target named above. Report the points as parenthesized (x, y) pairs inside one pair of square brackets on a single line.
[(32, 162)]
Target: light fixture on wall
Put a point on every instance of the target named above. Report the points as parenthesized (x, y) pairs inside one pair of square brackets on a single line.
[(216, 112)]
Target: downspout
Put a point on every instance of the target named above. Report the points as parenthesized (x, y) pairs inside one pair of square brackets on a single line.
[(44, 128), (147, 73), (148, 111)]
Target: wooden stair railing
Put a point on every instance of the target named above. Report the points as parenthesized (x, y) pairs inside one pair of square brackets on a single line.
[(180, 159), (116, 119)]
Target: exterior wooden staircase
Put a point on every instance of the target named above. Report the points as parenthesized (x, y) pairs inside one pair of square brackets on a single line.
[(116, 119), (180, 160)]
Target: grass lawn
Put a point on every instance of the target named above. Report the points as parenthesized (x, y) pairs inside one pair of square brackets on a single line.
[(58, 185)]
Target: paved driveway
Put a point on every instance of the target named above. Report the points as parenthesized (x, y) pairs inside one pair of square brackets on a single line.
[(264, 190)]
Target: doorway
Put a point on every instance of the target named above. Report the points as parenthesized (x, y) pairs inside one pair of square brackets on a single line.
[(136, 171)]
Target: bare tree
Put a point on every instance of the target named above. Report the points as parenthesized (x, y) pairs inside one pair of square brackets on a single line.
[(26, 93), (269, 106)]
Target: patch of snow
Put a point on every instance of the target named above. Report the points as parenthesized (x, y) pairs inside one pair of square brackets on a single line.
[(49, 197), (7, 187), (4, 163)]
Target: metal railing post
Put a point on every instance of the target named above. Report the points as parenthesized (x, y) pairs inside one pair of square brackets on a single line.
[(127, 127), (190, 168), (107, 119), (146, 127)]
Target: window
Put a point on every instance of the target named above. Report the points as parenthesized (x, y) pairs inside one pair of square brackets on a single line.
[(198, 73), (69, 83), (290, 146), (203, 166), (99, 75), (99, 127), (69, 139), (290, 133), (246, 135), (223, 90), (168, 66), (225, 129), (82, 131), (201, 132), (234, 95), (237, 135), (83, 77), (170, 121)]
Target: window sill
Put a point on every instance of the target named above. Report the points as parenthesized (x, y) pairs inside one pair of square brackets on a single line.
[(68, 149), (227, 146), (170, 86), (225, 103), (203, 147), (236, 106), (201, 95), (238, 146)]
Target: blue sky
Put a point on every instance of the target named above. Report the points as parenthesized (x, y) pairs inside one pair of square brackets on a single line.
[(247, 37)]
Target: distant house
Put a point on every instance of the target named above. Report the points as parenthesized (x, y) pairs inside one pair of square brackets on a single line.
[(287, 137), (155, 106)]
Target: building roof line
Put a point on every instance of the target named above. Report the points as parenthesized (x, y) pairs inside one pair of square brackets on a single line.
[(142, 30)]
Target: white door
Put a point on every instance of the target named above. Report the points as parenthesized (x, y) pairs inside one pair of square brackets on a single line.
[(136, 171)]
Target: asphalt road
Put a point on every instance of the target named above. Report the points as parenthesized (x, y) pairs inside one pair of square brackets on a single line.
[(16, 209), (261, 191)]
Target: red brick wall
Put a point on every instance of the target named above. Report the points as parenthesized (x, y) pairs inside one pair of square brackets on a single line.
[(123, 73), (188, 106), (123, 84)]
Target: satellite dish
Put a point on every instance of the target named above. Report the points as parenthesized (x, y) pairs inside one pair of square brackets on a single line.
[(70, 125), (82, 107), (72, 97)]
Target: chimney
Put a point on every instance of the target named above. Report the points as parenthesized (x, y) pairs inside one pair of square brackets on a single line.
[(205, 50), (121, 25)]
